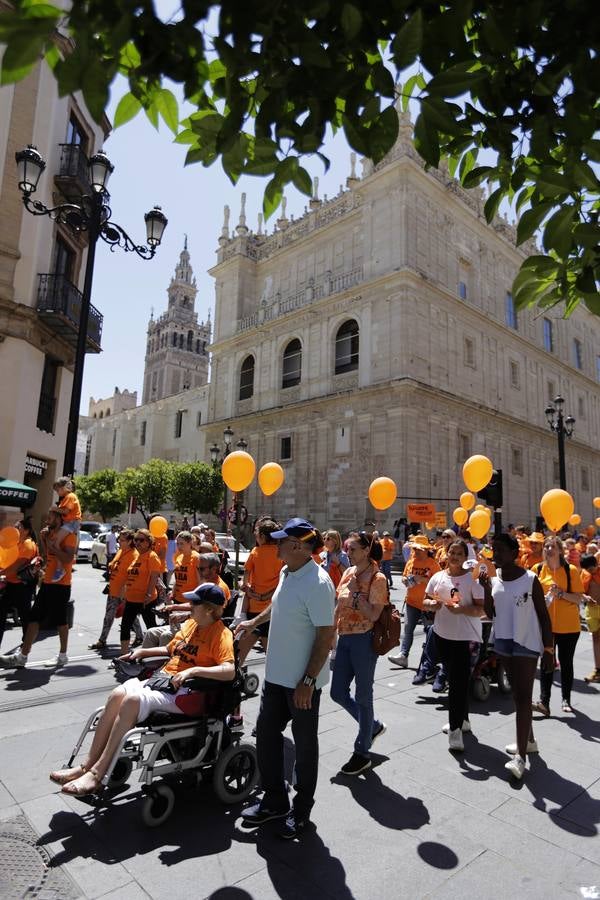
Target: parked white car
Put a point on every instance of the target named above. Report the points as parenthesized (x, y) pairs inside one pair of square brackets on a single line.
[(227, 542), (98, 554), (84, 550)]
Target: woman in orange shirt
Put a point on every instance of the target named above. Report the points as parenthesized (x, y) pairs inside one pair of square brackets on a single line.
[(186, 561), (140, 587), (16, 594), (261, 577), (117, 571)]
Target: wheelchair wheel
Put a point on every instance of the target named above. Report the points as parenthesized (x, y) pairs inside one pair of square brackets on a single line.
[(120, 773), (158, 805), (251, 683), (235, 773), (503, 682), (481, 688)]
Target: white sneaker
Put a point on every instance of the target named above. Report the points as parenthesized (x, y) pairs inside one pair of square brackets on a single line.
[(61, 660), (455, 740), (516, 767), (466, 727), (401, 661), (14, 661), (513, 750)]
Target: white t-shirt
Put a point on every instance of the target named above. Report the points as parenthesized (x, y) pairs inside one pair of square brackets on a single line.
[(303, 601), (111, 543), (450, 625), (515, 616)]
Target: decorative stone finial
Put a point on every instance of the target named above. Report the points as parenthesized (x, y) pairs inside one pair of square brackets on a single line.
[(314, 200), (225, 229), (282, 221), (352, 178), (241, 225), (260, 223)]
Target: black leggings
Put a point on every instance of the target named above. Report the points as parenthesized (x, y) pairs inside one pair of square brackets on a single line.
[(456, 657), (131, 611), (565, 645), (20, 597)]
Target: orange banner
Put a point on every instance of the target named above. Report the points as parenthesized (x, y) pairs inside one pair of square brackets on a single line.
[(420, 512)]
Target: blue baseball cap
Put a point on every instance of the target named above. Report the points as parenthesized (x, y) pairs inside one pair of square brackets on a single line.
[(206, 593), (297, 528)]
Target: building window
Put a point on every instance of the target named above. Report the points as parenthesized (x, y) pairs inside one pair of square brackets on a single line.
[(143, 434), (286, 448), (88, 453), (577, 353), (510, 311), (548, 336), (555, 471), (174, 339), (469, 352), (47, 401), (199, 418), (178, 423), (551, 391), (76, 134), (581, 407), (190, 341), (247, 379), (462, 290), (516, 461), (464, 447), (108, 411), (292, 364), (515, 375), (114, 442), (346, 347), (342, 439), (64, 259), (585, 479), (198, 345)]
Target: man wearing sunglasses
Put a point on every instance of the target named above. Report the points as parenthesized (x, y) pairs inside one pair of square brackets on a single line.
[(301, 615)]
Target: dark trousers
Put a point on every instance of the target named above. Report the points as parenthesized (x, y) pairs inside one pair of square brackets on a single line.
[(456, 656), (19, 597), (276, 710), (565, 645), (131, 611), (429, 657)]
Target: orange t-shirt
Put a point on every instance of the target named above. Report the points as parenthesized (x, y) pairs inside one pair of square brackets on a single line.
[(194, 646), (372, 586), (138, 576), (70, 504), (160, 547), (117, 569), (225, 589), (262, 567), (389, 545), (27, 550), (69, 542), (530, 559), (563, 614), (422, 569), (187, 576)]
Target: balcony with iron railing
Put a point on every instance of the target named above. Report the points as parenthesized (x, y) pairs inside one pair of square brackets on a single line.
[(72, 178), (59, 308)]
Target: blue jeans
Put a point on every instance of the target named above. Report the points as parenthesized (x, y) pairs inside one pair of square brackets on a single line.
[(412, 617), (386, 567), (429, 657), (355, 660)]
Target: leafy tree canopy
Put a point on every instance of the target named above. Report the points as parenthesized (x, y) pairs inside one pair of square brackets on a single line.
[(196, 487), (517, 80), (150, 484), (101, 493)]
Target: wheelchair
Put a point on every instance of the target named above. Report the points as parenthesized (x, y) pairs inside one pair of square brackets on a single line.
[(171, 749)]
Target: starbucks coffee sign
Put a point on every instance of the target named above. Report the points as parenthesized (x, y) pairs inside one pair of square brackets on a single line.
[(35, 466)]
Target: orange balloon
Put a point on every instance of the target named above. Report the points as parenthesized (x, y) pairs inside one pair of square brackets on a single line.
[(481, 506), (9, 537), (430, 526), (590, 531), (479, 523), (597, 521), (477, 472), (383, 493), (8, 557), (460, 515), (596, 502), (557, 507), (575, 519), (270, 478), (158, 526), (238, 470), (467, 500)]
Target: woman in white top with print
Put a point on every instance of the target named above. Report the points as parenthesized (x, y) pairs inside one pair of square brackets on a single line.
[(458, 603), (522, 631)]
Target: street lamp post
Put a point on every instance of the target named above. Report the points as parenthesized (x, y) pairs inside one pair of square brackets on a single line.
[(218, 459), (91, 213), (562, 427)]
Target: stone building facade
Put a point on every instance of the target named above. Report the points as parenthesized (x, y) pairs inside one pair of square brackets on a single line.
[(41, 275), (176, 351), (121, 401), (378, 335)]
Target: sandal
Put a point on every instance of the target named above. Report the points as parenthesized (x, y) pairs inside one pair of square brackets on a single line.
[(566, 707), (540, 706), (73, 790), (98, 645), (62, 776)]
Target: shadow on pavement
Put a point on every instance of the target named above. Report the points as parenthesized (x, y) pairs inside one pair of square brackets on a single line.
[(29, 679), (437, 855), (386, 806)]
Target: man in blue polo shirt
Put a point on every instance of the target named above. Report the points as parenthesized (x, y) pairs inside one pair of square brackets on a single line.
[(300, 636)]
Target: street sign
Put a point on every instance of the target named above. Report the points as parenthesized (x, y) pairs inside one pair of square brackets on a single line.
[(420, 512)]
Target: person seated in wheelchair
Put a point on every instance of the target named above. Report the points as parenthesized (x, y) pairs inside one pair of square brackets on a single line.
[(203, 648)]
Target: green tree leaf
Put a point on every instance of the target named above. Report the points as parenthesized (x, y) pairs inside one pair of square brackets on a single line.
[(492, 204), (167, 107), (531, 220), (558, 232), (351, 20), (128, 107), (408, 40)]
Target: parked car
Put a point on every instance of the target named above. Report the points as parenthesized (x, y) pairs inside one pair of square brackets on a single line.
[(99, 550), (84, 550), (95, 528), (227, 542)]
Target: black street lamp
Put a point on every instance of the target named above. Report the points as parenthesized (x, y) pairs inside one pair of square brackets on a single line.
[(563, 427), (90, 213)]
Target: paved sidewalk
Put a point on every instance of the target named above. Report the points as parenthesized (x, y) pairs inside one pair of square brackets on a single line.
[(421, 823)]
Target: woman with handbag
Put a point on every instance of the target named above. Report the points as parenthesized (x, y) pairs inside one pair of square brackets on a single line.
[(115, 604), (140, 586), (361, 595), (20, 577)]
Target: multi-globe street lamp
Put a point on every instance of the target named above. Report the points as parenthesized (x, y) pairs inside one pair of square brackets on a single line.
[(90, 213), (219, 458), (563, 427)]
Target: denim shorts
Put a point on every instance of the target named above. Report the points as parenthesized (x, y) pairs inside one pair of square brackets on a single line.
[(508, 647)]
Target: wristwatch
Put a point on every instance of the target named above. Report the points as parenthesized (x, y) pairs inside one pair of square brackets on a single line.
[(308, 680)]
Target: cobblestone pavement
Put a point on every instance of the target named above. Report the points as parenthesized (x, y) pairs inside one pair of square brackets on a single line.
[(421, 823)]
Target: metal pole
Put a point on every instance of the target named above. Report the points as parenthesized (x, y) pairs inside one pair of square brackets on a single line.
[(94, 233), (237, 501), (562, 470)]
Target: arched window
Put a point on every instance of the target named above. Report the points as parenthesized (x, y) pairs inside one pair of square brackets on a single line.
[(101, 414), (174, 339), (190, 341), (247, 378), (108, 411), (198, 345), (346, 347), (181, 341), (292, 364)]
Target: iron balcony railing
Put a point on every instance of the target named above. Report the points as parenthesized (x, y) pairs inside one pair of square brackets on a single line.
[(59, 307), (72, 177)]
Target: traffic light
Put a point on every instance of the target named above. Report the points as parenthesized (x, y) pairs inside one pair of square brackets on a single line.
[(491, 494)]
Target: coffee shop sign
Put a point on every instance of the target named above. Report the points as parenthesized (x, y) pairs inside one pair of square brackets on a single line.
[(35, 466)]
